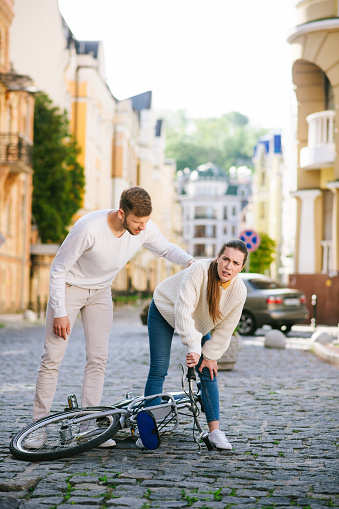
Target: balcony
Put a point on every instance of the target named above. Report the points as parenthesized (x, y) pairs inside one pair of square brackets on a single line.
[(205, 232), (15, 152), (320, 150)]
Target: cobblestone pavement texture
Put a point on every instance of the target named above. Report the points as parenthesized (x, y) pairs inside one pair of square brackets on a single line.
[(279, 409)]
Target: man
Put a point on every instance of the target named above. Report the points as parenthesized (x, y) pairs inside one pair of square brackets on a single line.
[(98, 246)]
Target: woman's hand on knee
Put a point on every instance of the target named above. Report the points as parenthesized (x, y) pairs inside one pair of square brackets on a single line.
[(61, 327), (192, 359), (212, 366)]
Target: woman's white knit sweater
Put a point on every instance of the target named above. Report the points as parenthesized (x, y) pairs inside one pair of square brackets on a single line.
[(182, 301)]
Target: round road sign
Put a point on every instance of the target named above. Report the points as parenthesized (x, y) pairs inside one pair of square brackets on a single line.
[(251, 238)]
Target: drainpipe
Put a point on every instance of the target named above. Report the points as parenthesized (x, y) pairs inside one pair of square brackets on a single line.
[(24, 239)]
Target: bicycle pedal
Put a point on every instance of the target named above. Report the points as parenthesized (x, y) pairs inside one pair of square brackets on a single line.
[(72, 401)]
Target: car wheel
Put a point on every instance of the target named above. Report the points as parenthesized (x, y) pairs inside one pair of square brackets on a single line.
[(286, 328), (247, 324)]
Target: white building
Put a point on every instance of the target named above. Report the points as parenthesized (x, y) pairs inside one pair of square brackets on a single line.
[(213, 207), (39, 47)]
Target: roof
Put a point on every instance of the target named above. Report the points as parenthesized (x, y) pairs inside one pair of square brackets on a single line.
[(142, 101), (271, 143), (87, 47), (232, 190)]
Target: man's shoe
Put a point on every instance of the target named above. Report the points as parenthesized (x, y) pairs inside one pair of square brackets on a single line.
[(109, 443), (90, 429), (218, 439), (37, 439)]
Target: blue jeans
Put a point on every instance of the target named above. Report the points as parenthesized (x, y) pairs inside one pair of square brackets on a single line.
[(160, 341)]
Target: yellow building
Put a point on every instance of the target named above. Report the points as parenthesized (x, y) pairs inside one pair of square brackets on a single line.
[(267, 197), (16, 139), (125, 166), (92, 115), (139, 159), (121, 142), (315, 70)]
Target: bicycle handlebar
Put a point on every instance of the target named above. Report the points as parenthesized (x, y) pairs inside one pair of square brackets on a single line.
[(190, 374)]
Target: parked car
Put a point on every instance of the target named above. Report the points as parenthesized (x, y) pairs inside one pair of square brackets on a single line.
[(270, 303)]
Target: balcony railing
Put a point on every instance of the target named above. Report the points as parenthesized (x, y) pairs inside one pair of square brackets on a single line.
[(204, 216), (15, 151), (320, 150), (204, 235)]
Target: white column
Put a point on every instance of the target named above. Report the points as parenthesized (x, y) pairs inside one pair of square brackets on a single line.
[(306, 258), (334, 187)]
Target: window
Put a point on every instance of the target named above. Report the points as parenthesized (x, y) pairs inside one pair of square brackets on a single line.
[(204, 250), (265, 284), (8, 218), (326, 256), (225, 212), (210, 230), (205, 213), (199, 250), (205, 231)]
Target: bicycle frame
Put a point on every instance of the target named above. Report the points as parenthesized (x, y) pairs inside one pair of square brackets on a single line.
[(77, 430)]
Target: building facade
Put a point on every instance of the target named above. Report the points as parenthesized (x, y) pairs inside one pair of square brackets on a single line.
[(16, 141), (139, 159), (267, 196), (121, 143), (92, 120), (213, 208), (39, 47), (315, 71)]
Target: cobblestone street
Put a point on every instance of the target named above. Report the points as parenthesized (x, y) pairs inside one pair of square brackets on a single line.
[(279, 409)]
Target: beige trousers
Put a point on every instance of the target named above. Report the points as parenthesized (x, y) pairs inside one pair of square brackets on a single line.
[(96, 311)]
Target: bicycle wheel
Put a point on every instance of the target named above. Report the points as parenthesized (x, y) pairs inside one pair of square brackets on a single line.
[(67, 433)]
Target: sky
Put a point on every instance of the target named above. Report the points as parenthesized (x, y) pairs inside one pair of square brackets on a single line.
[(207, 57)]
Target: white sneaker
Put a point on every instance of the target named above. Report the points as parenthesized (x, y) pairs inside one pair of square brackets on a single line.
[(37, 439), (219, 440), (109, 443)]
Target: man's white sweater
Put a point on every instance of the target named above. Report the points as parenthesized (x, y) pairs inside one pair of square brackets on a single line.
[(91, 255), (182, 301)]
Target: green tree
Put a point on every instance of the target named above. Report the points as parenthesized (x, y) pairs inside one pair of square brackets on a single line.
[(58, 179), (261, 259), (226, 141)]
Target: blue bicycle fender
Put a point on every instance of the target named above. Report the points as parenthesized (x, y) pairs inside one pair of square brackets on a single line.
[(148, 429)]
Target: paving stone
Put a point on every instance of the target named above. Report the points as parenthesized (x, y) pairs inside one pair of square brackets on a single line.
[(48, 501), (138, 475), (286, 396), (8, 503), (71, 506), (85, 500), (131, 502)]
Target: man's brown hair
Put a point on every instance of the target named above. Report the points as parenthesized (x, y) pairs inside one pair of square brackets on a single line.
[(136, 200)]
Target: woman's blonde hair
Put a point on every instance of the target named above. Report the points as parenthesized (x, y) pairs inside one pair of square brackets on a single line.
[(213, 284)]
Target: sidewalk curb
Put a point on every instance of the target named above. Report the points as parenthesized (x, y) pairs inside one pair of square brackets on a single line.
[(323, 353)]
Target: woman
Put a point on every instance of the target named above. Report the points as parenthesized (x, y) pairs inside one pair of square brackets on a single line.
[(203, 304)]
